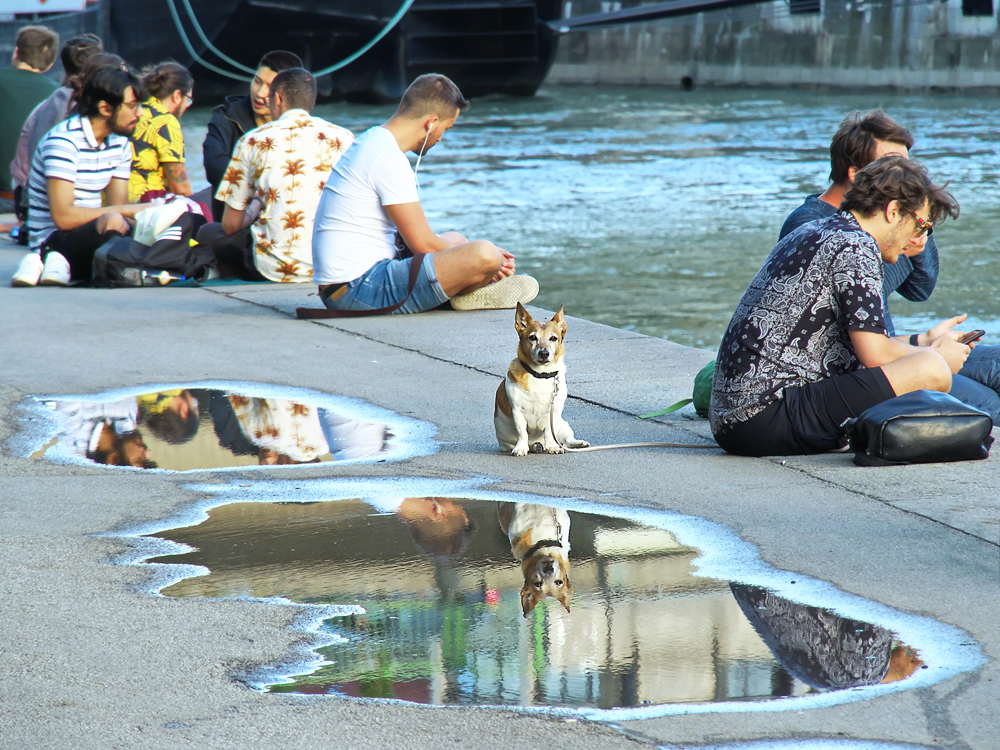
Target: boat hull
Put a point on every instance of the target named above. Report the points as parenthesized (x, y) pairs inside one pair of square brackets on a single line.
[(485, 46)]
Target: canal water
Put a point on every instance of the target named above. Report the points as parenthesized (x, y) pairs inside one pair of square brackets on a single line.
[(651, 209)]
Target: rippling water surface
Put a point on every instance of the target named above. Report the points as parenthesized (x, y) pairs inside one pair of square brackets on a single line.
[(651, 209)]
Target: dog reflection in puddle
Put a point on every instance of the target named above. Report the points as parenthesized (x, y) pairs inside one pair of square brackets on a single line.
[(539, 540)]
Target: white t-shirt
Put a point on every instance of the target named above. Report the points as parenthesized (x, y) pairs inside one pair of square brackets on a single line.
[(352, 231)]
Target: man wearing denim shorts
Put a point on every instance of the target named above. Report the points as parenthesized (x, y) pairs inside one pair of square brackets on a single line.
[(371, 195), (807, 348)]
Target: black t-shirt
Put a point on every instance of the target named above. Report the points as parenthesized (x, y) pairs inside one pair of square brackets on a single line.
[(791, 326)]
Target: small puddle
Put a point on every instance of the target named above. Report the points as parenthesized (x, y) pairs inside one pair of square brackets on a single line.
[(197, 426), (426, 602)]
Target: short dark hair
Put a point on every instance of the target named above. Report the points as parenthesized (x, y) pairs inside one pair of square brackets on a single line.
[(76, 52), (431, 94), (896, 178), (108, 84), (853, 144), (36, 46), (279, 60), (164, 79), (91, 66), (297, 87)]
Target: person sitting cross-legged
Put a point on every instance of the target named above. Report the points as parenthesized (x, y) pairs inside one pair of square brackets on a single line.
[(372, 194), (860, 140), (273, 185), (78, 160), (807, 348)]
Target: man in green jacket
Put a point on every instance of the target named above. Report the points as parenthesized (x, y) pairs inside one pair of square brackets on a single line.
[(22, 88)]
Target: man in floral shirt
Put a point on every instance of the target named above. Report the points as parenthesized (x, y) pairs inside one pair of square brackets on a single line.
[(807, 348), (273, 185)]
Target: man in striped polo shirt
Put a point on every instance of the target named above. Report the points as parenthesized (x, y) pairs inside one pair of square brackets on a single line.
[(76, 161)]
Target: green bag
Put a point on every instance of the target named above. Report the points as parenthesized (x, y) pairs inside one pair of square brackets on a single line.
[(701, 395)]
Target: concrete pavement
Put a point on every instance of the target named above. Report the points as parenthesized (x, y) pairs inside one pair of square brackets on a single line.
[(93, 661)]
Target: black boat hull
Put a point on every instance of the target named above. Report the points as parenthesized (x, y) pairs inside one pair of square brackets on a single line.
[(485, 46)]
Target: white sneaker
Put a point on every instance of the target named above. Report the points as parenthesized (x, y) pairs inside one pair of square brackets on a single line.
[(29, 271), (56, 271), (500, 295)]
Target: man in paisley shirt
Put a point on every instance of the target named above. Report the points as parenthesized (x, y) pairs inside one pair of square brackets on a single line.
[(860, 140), (807, 348)]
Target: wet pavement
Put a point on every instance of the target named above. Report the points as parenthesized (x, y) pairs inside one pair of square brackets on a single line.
[(97, 660)]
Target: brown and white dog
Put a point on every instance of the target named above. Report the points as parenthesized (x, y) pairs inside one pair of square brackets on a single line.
[(539, 540), (521, 414)]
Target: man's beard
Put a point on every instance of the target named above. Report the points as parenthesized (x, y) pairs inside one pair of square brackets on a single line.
[(120, 129)]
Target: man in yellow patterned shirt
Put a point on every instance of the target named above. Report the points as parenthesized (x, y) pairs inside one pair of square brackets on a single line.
[(273, 185), (157, 143)]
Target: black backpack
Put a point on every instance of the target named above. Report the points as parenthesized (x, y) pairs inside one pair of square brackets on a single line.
[(124, 262)]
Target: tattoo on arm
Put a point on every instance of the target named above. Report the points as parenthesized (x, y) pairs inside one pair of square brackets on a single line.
[(177, 176)]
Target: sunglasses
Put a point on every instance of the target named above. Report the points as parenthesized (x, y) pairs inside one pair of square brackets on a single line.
[(923, 226)]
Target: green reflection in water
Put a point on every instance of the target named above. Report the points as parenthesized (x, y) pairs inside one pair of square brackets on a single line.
[(442, 621)]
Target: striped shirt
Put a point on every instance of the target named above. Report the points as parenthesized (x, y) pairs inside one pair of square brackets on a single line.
[(71, 152)]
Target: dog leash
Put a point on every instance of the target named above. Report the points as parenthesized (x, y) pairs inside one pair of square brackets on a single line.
[(552, 428)]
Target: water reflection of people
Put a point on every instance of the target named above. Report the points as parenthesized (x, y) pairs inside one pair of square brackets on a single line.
[(824, 650), (440, 527), (172, 415), (288, 432), (105, 432)]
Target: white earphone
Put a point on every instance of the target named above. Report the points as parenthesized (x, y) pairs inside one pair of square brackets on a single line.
[(420, 155)]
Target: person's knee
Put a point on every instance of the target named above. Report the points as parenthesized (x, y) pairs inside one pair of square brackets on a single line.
[(935, 372), (488, 257), (112, 223)]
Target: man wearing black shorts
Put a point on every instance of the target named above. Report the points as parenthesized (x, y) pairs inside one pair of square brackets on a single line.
[(807, 348)]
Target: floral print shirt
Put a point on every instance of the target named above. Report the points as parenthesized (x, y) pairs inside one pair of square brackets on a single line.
[(792, 326), (285, 163)]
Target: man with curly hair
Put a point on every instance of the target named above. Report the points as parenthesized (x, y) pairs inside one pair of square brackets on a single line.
[(807, 348)]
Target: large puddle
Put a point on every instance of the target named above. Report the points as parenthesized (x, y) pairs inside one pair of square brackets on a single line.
[(422, 596), (218, 425)]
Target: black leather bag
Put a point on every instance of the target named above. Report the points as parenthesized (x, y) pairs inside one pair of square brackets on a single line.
[(918, 428)]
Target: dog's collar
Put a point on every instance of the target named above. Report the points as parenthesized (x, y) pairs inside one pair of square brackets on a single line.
[(534, 373), (544, 543)]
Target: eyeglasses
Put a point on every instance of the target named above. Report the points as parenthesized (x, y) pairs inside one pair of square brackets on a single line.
[(923, 226), (190, 99), (135, 105)]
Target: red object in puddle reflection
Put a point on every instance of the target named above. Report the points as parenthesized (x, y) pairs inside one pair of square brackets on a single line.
[(492, 596)]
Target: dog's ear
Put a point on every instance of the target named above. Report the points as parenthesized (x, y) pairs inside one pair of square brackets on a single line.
[(521, 319), (560, 320)]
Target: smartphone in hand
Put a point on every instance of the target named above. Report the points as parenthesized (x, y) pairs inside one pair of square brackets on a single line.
[(968, 338)]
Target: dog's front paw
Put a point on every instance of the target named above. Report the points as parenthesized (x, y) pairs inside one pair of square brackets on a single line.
[(520, 448), (555, 448), (578, 444)]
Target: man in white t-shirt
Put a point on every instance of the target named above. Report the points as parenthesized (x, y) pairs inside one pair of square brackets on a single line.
[(371, 194)]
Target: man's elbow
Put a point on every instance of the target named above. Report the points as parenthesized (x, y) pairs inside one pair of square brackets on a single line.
[(63, 223)]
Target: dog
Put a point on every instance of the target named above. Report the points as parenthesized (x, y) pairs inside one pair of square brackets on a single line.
[(539, 540), (521, 413)]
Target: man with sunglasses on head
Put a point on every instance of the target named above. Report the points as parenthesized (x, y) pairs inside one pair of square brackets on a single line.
[(861, 139), (78, 160), (807, 348)]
